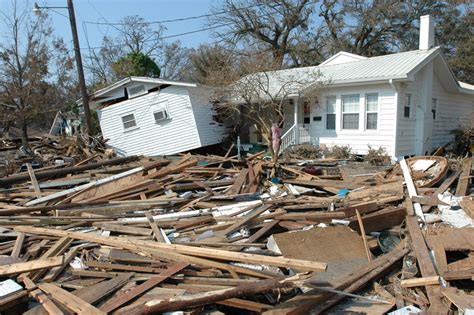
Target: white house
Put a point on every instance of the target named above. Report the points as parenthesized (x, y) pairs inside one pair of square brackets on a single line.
[(148, 116), (406, 102)]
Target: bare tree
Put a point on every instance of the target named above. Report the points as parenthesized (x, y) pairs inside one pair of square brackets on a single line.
[(28, 55), (267, 25), (259, 97), (135, 37)]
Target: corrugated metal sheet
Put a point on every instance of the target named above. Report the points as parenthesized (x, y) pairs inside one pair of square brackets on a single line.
[(394, 66)]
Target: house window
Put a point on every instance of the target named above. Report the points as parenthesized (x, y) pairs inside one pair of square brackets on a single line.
[(129, 121), (371, 110), (406, 108), (137, 90), (350, 111), (160, 115), (331, 113), (434, 106)]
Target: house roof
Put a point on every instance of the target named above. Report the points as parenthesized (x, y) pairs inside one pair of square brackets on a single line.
[(342, 57), (127, 80), (397, 67)]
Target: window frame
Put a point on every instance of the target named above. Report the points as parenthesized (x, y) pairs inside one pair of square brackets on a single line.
[(434, 107), (133, 95), (333, 113), (407, 104), (344, 113), (166, 115), (135, 126), (367, 112), (161, 106)]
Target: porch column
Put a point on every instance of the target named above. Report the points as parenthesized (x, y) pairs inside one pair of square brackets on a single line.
[(295, 121), (423, 118)]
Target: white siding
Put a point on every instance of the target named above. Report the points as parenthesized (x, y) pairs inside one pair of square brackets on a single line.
[(210, 131), (454, 111), (150, 138), (406, 126), (360, 139)]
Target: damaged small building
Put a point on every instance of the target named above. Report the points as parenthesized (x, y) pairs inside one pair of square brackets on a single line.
[(150, 116)]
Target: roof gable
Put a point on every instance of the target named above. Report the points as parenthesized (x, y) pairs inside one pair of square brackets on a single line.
[(341, 57)]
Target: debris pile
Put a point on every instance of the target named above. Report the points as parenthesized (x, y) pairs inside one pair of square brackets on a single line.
[(208, 233)]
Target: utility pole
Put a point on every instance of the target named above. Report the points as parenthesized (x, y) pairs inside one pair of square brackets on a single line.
[(80, 71)]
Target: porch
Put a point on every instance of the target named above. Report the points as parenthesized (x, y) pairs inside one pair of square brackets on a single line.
[(297, 127)]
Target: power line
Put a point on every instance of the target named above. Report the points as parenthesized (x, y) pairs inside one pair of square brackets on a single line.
[(178, 19), (182, 19), (169, 36)]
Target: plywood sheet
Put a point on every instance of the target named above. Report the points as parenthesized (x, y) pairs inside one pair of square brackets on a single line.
[(339, 246)]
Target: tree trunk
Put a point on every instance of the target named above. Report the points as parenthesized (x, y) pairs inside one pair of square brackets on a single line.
[(24, 133)]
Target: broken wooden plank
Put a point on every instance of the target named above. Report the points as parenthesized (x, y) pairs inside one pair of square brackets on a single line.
[(31, 265), (364, 236), (113, 304), (461, 189), (411, 188), (18, 245), (34, 182), (418, 282), (141, 246), (69, 300)]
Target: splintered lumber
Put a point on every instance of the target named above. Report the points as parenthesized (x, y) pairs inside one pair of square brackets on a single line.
[(380, 220), (364, 237), (186, 301), (467, 204), (31, 265), (411, 188), (18, 178), (42, 298), (69, 300), (461, 299), (461, 189), (142, 288), (34, 182), (418, 282), (322, 183), (239, 182), (140, 246), (349, 282), (245, 305), (18, 245), (76, 189), (441, 189), (156, 230), (425, 263)]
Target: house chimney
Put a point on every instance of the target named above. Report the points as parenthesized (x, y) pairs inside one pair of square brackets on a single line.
[(426, 32)]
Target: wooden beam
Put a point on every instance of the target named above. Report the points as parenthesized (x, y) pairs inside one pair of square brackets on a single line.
[(69, 300), (34, 182), (113, 304), (42, 298), (18, 178), (140, 245), (461, 189), (418, 282), (156, 230), (425, 263), (31, 265), (18, 245), (186, 301), (364, 236), (411, 188)]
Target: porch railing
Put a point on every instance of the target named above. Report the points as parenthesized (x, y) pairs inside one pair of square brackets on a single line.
[(297, 134), (288, 139)]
